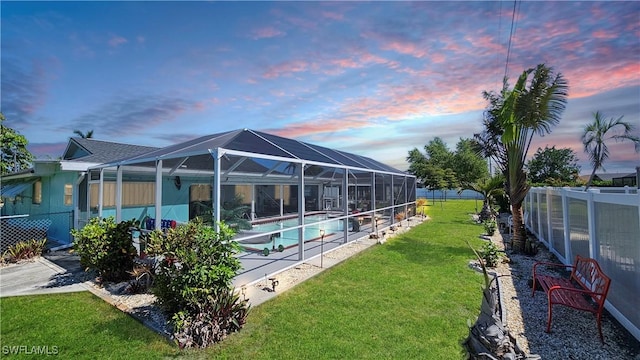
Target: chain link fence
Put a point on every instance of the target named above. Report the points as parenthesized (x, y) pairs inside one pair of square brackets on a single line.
[(55, 227)]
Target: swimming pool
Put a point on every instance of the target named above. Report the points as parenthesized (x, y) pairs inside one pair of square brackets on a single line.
[(287, 236)]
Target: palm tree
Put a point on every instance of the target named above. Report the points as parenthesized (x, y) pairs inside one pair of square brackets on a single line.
[(594, 137), (533, 106), (88, 135), (489, 188)]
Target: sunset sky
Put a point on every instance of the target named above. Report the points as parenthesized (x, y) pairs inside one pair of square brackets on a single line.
[(376, 79)]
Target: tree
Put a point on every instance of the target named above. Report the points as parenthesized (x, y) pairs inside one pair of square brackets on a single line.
[(533, 106), (459, 168), (489, 188), (438, 153), (88, 135), (469, 166), (596, 134), (554, 167), (14, 155)]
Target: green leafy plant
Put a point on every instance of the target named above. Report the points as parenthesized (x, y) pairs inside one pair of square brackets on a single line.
[(531, 246), (106, 247), (193, 281), (143, 276), (490, 253), (490, 226), (24, 250), (221, 315)]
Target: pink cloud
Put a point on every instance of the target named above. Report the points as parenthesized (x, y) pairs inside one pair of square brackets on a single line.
[(302, 129), (405, 48), (267, 32), (286, 68), (595, 79), (603, 35), (347, 63)]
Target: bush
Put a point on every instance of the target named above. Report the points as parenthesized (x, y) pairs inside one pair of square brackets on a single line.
[(490, 254), (193, 282), (24, 250), (143, 276), (490, 226), (106, 247), (218, 317)]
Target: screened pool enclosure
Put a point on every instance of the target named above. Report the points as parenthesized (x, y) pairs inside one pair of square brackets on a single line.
[(277, 192)]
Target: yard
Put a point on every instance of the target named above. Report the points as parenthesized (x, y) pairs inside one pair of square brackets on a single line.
[(409, 298)]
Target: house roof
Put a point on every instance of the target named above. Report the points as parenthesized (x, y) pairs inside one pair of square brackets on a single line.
[(609, 176), (98, 151), (260, 143)]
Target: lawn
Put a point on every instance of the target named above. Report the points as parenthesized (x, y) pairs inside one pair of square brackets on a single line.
[(75, 325), (409, 298)]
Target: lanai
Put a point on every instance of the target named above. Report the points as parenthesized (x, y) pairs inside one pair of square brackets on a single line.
[(274, 177)]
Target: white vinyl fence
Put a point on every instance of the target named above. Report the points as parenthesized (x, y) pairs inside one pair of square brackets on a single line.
[(603, 224)]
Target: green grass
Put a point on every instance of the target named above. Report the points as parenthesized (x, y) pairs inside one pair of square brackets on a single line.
[(78, 325), (409, 298)]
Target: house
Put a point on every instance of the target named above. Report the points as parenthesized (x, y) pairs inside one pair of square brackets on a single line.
[(617, 179), (53, 193), (262, 176)]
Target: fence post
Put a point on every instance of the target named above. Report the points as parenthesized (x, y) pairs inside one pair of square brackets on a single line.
[(549, 211), (566, 226), (591, 224), (539, 224)]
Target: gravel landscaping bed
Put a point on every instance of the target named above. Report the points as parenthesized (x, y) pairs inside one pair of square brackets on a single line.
[(574, 334)]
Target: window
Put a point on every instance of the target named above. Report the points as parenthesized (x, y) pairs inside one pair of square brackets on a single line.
[(68, 194), (140, 193), (37, 192), (200, 192)]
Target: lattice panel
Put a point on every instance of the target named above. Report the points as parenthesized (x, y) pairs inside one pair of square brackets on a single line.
[(14, 230)]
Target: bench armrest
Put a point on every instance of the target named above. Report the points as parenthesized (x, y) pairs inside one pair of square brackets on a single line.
[(549, 264)]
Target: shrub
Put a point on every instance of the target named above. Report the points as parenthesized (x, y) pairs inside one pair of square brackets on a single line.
[(193, 281), (490, 226), (106, 247), (490, 254), (24, 250), (143, 276), (218, 317)]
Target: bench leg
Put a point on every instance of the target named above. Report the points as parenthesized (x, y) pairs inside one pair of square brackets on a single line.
[(598, 319), (533, 287), (549, 312)]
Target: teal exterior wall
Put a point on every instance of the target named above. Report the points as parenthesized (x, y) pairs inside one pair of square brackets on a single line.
[(175, 202), (51, 207)]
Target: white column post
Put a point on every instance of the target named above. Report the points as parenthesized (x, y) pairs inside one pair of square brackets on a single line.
[(158, 195), (301, 211), (281, 200), (101, 193), (253, 202), (119, 194), (216, 188), (345, 205), (374, 222)]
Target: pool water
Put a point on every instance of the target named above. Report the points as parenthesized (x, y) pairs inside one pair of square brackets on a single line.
[(289, 237)]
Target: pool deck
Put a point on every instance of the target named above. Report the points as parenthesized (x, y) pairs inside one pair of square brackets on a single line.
[(256, 266)]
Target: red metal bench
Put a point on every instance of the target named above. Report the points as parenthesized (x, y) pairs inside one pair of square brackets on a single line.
[(586, 289)]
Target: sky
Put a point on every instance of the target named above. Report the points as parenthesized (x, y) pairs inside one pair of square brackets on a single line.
[(373, 78)]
